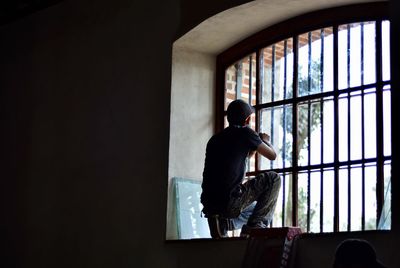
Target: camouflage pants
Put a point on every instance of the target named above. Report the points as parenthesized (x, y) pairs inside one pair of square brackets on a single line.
[(255, 200)]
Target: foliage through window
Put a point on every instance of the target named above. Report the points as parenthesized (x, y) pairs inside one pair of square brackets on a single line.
[(323, 95)]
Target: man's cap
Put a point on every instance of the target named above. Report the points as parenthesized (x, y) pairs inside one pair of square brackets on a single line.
[(356, 252), (238, 111)]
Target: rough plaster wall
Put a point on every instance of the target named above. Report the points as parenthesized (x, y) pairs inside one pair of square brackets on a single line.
[(192, 112), (192, 119)]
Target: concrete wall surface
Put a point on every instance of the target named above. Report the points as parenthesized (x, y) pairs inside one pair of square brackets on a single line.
[(192, 120)]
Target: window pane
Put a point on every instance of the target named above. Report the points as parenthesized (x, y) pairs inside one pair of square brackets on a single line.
[(387, 117), (369, 49), (315, 66), (315, 201), (328, 198), (302, 133), (343, 198), (355, 126), (251, 163), (327, 59), (277, 219), (386, 50), (356, 198), (277, 122), (315, 135), (370, 198), (343, 127), (288, 199), (328, 133), (343, 56), (230, 84), (284, 203), (240, 81), (302, 200), (355, 54), (385, 221), (277, 71), (370, 123)]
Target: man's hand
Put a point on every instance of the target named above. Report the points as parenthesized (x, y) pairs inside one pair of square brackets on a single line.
[(265, 137), (266, 149)]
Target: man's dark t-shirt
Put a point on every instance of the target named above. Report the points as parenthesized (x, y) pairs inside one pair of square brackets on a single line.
[(225, 164)]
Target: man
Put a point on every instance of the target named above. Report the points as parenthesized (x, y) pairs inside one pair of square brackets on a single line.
[(245, 205)]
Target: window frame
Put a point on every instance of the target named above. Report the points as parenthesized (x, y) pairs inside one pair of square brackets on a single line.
[(332, 17)]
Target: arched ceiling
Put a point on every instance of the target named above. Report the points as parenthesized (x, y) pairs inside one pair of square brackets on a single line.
[(227, 28)]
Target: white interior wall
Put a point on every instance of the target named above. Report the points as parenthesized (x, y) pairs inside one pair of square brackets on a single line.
[(191, 119)]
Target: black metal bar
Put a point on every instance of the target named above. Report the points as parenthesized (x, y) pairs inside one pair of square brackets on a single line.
[(284, 132), (321, 212), (362, 53), (327, 166), (309, 73), (309, 134), (318, 96), (348, 132), (250, 77), (284, 106), (348, 55), (259, 84), (285, 69), (295, 132), (336, 129), (273, 73), (379, 122), (362, 130), (309, 164), (283, 199), (272, 97)]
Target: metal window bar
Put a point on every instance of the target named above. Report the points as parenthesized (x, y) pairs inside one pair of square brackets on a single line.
[(321, 212), (250, 78), (362, 129), (284, 132), (379, 121), (336, 129), (260, 77), (343, 164), (317, 96), (348, 132), (250, 60), (294, 129), (309, 134), (272, 97)]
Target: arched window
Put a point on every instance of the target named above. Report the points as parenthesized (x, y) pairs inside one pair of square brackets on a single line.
[(320, 85)]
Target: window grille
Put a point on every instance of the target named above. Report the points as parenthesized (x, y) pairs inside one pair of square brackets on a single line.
[(323, 95)]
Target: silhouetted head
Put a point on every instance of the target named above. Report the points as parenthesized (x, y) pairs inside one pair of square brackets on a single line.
[(238, 111), (356, 253)]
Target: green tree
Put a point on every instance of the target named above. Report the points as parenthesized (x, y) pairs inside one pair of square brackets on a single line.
[(306, 85)]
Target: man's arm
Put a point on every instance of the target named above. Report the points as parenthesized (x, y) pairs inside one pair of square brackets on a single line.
[(265, 148)]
